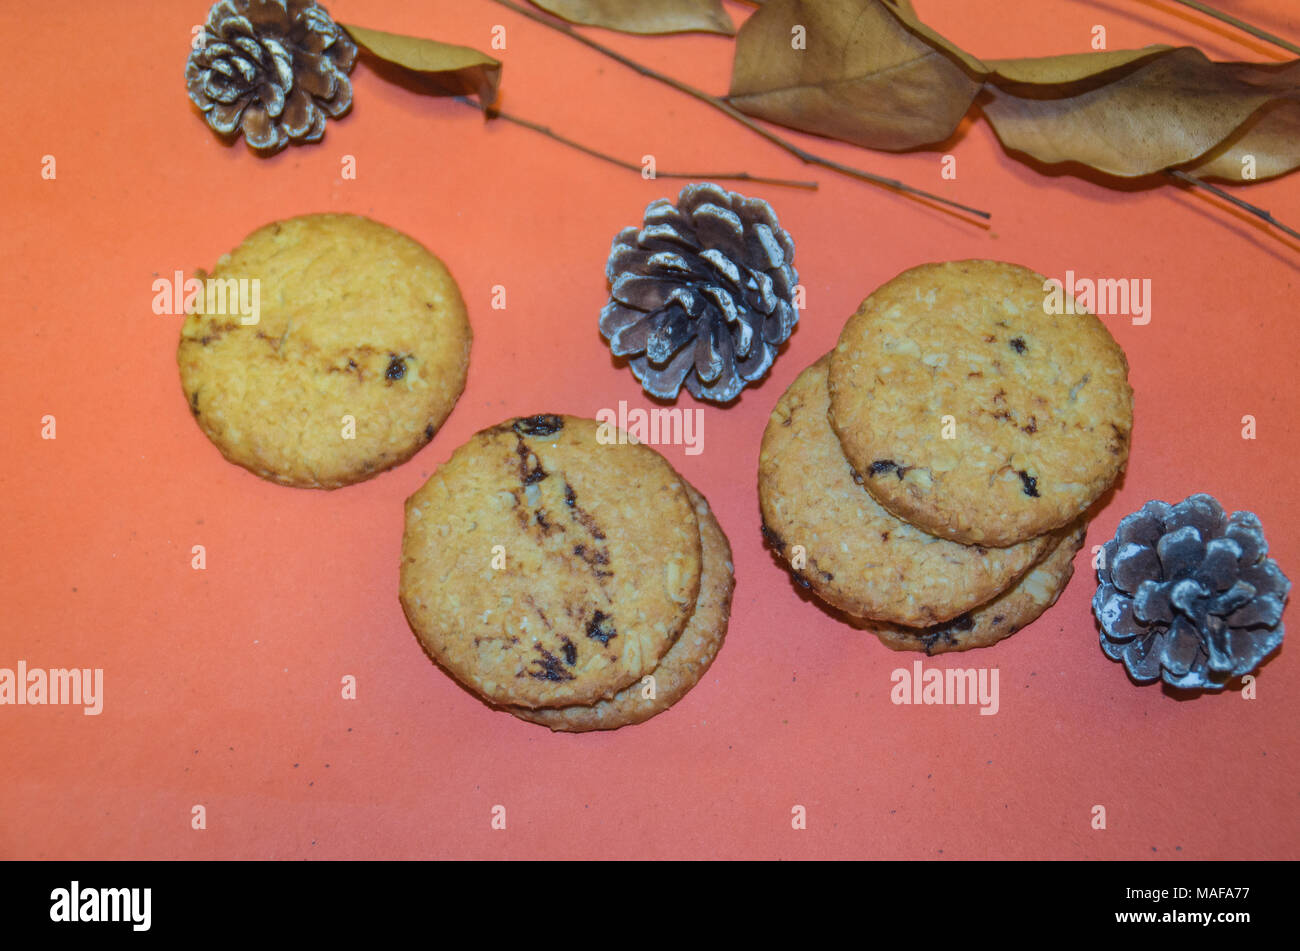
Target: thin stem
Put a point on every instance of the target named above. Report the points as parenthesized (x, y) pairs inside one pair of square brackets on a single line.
[(1244, 205), (632, 166), (723, 106), (1240, 24)]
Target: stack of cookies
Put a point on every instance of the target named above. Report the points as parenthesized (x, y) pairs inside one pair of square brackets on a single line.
[(576, 581), (930, 475)]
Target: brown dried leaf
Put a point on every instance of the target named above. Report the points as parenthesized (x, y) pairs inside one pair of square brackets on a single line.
[(1161, 109), (644, 16), (449, 69), (873, 74), (902, 9), (1266, 145), (863, 75), (1068, 67)]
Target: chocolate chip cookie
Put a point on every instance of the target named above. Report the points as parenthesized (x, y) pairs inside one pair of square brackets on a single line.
[(849, 549), (324, 350), (544, 566), (686, 661), (1015, 608), (971, 412)]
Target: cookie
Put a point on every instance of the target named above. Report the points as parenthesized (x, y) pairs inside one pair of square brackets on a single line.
[(855, 554), (352, 359), (543, 567), (686, 661), (1004, 615), (1038, 406)]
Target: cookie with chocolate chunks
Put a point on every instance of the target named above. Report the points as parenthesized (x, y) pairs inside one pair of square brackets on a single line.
[(838, 540), (686, 661), (1015, 608), (545, 567), (324, 350), (974, 414)]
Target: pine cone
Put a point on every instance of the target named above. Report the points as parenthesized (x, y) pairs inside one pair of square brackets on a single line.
[(1189, 595), (275, 68), (703, 293)]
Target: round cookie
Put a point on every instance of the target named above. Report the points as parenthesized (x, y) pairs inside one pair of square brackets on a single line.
[(353, 357), (859, 557), (1004, 615), (545, 565), (1040, 404), (686, 661)]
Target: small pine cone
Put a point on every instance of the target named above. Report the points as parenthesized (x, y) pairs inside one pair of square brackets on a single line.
[(273, 68), (702, 293), (1189, 595)]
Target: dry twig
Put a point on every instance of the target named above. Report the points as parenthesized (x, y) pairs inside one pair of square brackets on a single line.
[(723, 106)]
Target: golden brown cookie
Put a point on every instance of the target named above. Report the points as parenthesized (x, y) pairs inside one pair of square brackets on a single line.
[(1038, 406), (686, 661), (353, 357), (839, 541), (545, 567), (1004, 615)]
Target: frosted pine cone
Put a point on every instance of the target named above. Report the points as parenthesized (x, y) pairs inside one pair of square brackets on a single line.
[(275, 69), (703, 293), (1189, 595)]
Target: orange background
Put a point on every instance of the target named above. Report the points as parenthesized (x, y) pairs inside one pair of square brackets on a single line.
[(222, 686)]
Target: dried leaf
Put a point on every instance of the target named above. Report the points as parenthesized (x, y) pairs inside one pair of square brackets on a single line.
[(1159, 110), (450, 70), (849, 69), (1264, 147), (902, 9), (873, 74), (1068, 67), (644, 16)]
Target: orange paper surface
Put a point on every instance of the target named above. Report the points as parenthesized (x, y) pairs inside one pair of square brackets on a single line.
[(223, 687)]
